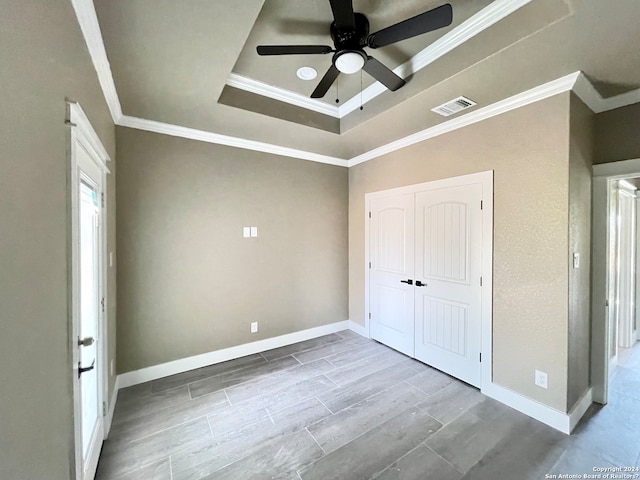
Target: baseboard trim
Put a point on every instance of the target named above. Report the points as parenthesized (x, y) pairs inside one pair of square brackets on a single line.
[(359, 329), (112, 407), (198, 361), (580, 408), (543, 413)]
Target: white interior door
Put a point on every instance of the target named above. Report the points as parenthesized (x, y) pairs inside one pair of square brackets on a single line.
[(89, 327), (448, 270), (391, 272), (88, 292)]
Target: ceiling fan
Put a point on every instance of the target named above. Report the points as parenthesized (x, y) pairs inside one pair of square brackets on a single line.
[(350, 34)]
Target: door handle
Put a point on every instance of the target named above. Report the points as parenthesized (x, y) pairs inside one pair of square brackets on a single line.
[(408, 282), (82, 369), (85, 342), (420, 284)]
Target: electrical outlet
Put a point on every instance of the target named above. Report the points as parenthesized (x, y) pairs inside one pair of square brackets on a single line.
[(254, 327), (542, 379)]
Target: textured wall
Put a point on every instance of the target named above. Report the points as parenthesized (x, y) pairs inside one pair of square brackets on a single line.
[(616, 134), (44, 60), (188, 282), (528, 151), (580, 173)]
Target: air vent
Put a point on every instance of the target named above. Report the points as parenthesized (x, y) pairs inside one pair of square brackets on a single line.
[(453, 106)]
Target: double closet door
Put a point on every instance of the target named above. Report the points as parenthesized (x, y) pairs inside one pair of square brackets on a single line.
[(425, 276)]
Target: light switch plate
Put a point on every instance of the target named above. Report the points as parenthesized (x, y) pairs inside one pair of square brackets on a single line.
[(254, 327), (254, 231), (246, 232)]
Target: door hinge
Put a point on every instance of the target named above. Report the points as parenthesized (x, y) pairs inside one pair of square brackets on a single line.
[(102, 196), (369, 264), (369, 214), (481, 204), (369, 315), (104, 409), (606, 302), (480, 357), (480, 281), (102, 303)]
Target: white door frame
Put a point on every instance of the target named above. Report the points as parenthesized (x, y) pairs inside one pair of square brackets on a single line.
[(82, 135), (601, 296), (486, 179)]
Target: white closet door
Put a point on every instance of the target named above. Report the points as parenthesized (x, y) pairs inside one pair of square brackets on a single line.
[(392, 267), (448, 266)]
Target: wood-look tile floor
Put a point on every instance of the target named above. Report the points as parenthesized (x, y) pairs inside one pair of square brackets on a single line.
[(344, 407)]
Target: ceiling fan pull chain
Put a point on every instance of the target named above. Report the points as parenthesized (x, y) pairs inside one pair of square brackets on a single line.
[(361, 107), (337, 90)]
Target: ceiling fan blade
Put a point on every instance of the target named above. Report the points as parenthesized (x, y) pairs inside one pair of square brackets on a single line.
[(343, 14), (383, 74), (439, 17), (293, 49), (326, 82)]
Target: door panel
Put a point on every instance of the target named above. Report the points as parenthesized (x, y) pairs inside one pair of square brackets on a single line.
[(392, 247), (448, 264), (87, 181), (89, 316)]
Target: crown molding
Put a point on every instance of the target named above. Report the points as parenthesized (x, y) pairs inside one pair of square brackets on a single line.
[(535, 94), (217, 138), (254, 86), (88, 20), (590, 96)]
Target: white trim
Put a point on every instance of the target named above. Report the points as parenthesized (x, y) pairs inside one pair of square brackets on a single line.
[(198, 361), (535, 94), (359, 329), (210, 137), (543, 413), (615, 170), (112, 407), (88, 20), (622, 100), (78, 119), (580, 408), (590, 96), (254, 86)]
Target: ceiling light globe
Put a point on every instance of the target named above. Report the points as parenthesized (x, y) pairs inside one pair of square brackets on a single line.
[(349, 62)]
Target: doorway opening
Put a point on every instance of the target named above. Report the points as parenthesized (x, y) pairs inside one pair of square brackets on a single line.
[(615, 281)]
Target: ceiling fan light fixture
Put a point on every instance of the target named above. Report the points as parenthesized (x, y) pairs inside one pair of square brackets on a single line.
[(306, 73), (349, 61)]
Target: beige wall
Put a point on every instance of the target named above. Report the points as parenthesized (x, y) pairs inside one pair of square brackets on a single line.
[(580, 173), (617, 134), (528, 151), (43, 59), (188, 282)]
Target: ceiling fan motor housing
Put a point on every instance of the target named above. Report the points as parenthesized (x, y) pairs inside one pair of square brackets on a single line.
[(350, 39)]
